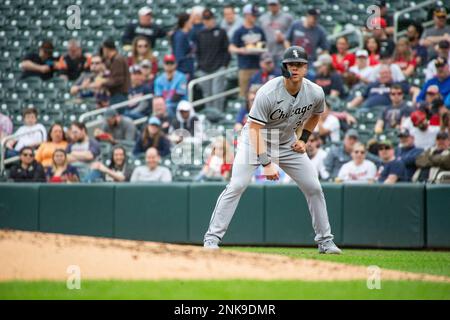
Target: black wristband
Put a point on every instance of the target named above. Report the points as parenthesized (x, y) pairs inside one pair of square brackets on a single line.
[(305, 135), (264, 159)]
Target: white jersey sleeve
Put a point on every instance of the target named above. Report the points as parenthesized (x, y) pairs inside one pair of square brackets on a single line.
[(260, 110), (320, 105)]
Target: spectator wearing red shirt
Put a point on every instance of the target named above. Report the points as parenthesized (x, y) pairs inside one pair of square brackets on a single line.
[(342, 60), (372, 45), (219, 163), (404, 57)]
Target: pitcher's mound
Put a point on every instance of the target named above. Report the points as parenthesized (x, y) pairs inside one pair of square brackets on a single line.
[(42, 256)]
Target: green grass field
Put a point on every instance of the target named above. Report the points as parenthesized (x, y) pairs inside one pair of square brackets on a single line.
[(415, 261)]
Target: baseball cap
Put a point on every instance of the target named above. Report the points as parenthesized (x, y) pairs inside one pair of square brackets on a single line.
[(135, 69), (145, 11), (433, 89), (444, 44), (207, 14), (386, 143), (266, 56), (323, 59), (362, 53), (314, 12), (418, 117), (146, 63), (403, 133), (440, 62), (110, 113), (440, 12), (442, 135), (250, 9), (154, 121), (169, 58), (352, 133), (184, 106), (269, 2)]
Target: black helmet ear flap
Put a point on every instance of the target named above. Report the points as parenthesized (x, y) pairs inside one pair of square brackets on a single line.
[(284, 71)]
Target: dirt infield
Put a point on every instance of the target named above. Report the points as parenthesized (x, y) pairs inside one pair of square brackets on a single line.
[(41, 256)]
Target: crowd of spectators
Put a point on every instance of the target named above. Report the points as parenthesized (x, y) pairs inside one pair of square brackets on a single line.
[(373, 79)]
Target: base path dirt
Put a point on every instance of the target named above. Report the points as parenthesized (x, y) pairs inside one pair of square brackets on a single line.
[(42, 256)]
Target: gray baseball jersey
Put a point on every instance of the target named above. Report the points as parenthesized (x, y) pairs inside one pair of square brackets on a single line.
[(277, 109)]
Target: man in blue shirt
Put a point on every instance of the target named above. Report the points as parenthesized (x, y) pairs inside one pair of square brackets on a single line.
[(442, 80), (171, 85), (267, 72), (247, 43), (407, 152), (391, 171)]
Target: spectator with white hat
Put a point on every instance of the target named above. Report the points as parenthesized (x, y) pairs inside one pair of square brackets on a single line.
[(362, 69)]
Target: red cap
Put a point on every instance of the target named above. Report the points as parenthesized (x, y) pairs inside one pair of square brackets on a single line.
[(378, 22), (169, 58), (418, 117)]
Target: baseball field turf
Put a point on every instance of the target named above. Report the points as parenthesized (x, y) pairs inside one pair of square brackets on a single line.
[(430, 262)]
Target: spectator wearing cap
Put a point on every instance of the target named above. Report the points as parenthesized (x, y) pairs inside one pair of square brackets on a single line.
[(268, 70), (247, 43), (443, 51), (338, 155), (343, 59), (373, 47), (39, 64), (418, 126), (56, 139), (275, 23), (309, 34), (326, 77), (6, 126), (152, 171), (30, 134), (393, 115), (139, 88), (159, 110), (115, 127), (329, 127), (28, 169), (404, 57), (391, 170), (230, 22), (432, 105), (187, 121), (171, 85), (118, 81), (362, 69), (378, 30), (152, 136), (118, 170), (145, 27), (359, 169), (377, 93), (74, 62), (84, 86), (440, 31), (149, 70), (82, 149), (317, 155), (183, 46), (414, 32), (407, 152), (442, 80), (433, 160), (212, 56), (385, 59)]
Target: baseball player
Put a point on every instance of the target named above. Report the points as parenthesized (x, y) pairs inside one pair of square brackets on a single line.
[(283, 107)]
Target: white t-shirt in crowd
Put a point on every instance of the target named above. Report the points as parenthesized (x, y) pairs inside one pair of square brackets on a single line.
[(30, 138), (144, 174), (397, 74), (350, 172), (365, 73), (332, 123), (422, 139), (318, 162)]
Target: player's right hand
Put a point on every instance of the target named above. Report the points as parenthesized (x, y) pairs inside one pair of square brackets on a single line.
[(271, 172)]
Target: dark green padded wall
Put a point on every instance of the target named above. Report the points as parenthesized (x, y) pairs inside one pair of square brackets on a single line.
[(19, 206), (152, 212), (438, 216), (384, 216), (247, 223), (288, 221), (77, 209)]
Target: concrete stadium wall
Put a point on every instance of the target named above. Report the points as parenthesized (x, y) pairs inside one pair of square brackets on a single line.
[(400, 216)]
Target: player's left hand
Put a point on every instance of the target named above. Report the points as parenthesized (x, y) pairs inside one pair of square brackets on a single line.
[(299, 146)]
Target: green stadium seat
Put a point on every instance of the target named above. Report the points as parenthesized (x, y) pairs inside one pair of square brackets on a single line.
[(32, 83)]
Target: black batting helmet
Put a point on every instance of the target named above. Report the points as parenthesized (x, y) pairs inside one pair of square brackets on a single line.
[(292, 54)]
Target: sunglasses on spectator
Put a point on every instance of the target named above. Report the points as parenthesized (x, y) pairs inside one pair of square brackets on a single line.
[(27, 154), (384, 148), (396, 93)]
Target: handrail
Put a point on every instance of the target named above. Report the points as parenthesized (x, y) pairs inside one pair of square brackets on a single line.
[(114, 106), (11, 137), (347, 32), (207, 77), (401, 12)]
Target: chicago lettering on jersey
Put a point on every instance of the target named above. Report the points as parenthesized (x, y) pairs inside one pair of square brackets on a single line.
[(280, 114)]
